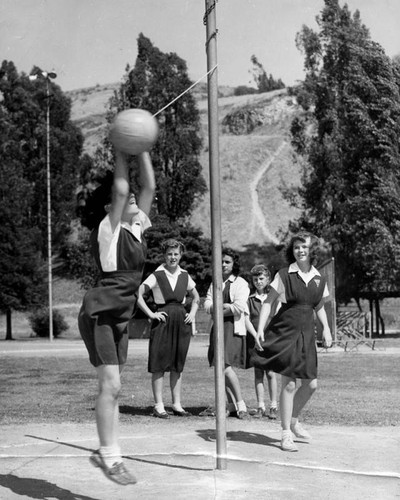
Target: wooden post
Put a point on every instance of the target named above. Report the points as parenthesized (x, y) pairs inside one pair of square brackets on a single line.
[(213, 137)]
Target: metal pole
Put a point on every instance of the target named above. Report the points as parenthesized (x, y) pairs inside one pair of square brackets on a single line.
[(50, 270), (211, 45)]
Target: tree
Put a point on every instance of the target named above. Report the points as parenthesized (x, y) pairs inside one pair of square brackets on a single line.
[(21, 269), (264, 82), (25, 104), (155, 81), (349, 136), (23, 185)]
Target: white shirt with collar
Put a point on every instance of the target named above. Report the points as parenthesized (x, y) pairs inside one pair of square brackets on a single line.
[(279, 287), (239, 293), (108, 240), (151, 282)]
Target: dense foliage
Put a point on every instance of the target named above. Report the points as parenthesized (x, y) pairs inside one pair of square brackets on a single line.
[(349, 136), (23, 183)]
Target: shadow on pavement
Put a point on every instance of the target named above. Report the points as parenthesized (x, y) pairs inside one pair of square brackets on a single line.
[(38, 488)]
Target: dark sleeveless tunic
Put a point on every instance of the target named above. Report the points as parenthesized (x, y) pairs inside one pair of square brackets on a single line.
[(289, 347), (108, 307), (169, 341)]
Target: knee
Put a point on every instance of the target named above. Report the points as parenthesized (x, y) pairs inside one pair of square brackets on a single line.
[(312, 386), (290, 387), (111, 388)]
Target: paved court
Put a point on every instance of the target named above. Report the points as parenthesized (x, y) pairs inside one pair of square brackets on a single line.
[(176, 458)]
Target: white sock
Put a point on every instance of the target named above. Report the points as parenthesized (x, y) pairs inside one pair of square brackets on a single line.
[(286, 434), (111, 454), (273, 404), (159, 407), (241, 406), (293, 422), (177, 407), (262, 406)]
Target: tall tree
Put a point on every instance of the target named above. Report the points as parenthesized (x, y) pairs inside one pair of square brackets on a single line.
[(25, 103), (23, 184), (349, 135), (155, 81), (21, 269)]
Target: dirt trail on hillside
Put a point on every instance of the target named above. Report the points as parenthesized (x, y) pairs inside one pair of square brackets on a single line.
[(258, 221)]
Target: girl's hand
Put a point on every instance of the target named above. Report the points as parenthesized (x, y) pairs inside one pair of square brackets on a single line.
[(258, 345), (327, 338), (260, 336), (160, 316), (189, 318)]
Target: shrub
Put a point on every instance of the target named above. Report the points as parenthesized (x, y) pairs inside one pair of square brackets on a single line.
[(39, 321)]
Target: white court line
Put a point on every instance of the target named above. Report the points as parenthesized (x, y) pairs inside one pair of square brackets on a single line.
[(393, 475)]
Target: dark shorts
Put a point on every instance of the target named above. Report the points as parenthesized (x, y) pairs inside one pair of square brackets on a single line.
[(105, 344)]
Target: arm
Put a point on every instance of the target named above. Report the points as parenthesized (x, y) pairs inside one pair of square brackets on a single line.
[(147, 183), (326, 331), (250, 328), (120, 189), (189, 318), (266, 312), (208, 303), (161, 316), (239, 294)]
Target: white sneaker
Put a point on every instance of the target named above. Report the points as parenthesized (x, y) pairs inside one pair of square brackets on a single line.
[(287, 444), (299, 432)]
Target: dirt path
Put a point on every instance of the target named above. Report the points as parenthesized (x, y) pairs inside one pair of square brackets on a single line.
[(258, 221)]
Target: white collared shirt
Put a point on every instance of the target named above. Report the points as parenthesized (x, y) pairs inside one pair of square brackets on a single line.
[(279, 287), (108, 240), (152, 283)]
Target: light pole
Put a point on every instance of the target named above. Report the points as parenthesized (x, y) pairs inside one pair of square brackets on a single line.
[(47, 76)]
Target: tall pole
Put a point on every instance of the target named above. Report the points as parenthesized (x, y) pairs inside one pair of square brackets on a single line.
[(49, 253), (213, 137)]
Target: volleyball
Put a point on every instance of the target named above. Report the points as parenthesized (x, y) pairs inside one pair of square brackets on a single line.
[(133, 131)]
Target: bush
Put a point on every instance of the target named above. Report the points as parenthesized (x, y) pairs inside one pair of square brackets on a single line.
[(39, 321)]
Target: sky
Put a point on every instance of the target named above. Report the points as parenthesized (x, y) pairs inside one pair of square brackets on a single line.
[(90, 42)]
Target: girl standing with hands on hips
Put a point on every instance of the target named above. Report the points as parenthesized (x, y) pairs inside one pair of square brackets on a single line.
[(171, 328), (288, 341)]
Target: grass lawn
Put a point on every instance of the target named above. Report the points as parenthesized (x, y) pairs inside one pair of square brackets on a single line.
[(354, 389)]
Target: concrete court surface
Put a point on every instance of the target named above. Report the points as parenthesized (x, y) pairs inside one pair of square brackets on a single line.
[(176, 458)]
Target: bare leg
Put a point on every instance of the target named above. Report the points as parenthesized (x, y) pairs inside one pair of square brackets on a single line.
[(157, 383), (272, 387), (286, 401), (259, 386), (107, 412), (303, 395), (175, 380)]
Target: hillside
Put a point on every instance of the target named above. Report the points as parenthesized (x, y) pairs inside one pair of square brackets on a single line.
[(255, 158)]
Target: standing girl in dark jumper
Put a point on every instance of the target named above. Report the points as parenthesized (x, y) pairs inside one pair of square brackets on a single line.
[(289, 345), (171, 328), (119, 251)]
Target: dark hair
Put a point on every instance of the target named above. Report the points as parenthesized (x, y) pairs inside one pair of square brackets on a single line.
[(314, 246), (260, 269), (91, 211), (172, 243), (236, 259)]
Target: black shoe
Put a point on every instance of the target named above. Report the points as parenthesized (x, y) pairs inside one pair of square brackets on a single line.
[(158, 414), (182, 413)]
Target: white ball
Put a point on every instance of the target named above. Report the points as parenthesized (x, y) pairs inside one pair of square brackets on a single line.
[(133, 131)]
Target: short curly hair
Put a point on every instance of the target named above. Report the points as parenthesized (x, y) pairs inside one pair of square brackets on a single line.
[(315, 246), (172, 243), (235, 257)]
